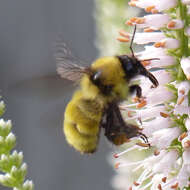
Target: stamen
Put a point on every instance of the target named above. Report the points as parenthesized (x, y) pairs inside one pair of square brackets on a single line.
[(187, 144), (154, 11), (121, 39), (180, 101), (124, 34), (140, 21), (149, 29), (136, 184), (147, 185), (129, 114), (124, 152), (159, 44), (159, 187), (171, 24), (144, 176), (164, 179), (145, 63), (182, 92), (175, 186), (132, 3), (142, 104), (182, 136), (129, 23), (133, 19), (156, 153), (117, 165), (148, 9), (165, 115)]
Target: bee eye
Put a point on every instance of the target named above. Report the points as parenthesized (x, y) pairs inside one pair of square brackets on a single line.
[(129, 66), (96, 76)]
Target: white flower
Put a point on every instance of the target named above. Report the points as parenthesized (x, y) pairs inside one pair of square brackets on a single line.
[(154, 6), (187, 124), (150, 112), (157, 21), (185, 64), (187, 31), (162, 5), (166, 163), (186, 2), (169, 43), (156, 124), (163, 113), (162, 138), (175, 24)]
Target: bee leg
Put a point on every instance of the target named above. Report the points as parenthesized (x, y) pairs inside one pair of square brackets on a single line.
[(108, 120), (136, 88), (144, 138)]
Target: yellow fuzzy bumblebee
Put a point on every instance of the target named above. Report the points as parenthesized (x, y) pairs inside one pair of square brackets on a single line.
[(94, 105)]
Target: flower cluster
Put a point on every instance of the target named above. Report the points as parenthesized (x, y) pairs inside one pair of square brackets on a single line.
[(164, 112), (13, 170), (109, 15)]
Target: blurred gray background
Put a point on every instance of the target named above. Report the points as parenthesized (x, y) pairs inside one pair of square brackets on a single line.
[(28, 29)]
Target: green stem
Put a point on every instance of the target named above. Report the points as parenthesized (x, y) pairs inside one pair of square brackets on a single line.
[(184, 49), (184, 39)]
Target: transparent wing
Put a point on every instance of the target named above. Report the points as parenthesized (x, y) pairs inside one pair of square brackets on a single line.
[(68, 66)]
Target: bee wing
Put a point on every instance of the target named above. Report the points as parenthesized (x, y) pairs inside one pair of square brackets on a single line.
[(68, 66)]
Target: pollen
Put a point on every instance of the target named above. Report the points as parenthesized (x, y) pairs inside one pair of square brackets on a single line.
[(156, 153), (124, 34), (142, 104), (117, 165), (149, 29), (133, 19), (182, 92), (175, 186), (159, 44), (129, 23), (164, 179), (140, 21), (180, 101), (154, 11), (122, 39), (149, 9), (146, 63), (159, 187), (182, 136), (171, 24), (132, 3), (136, 184), (165, 115), (129, 114), (187, 144)]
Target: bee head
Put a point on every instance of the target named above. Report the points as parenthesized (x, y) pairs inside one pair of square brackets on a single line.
[(133, 67)]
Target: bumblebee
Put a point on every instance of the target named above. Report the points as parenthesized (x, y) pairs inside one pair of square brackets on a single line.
[(94, 105)]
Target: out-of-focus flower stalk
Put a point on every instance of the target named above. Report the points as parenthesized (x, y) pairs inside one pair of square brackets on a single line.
[(12, 168), (164, 113)]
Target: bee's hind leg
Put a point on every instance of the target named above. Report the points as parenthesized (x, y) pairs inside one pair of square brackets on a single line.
[(136, 88)]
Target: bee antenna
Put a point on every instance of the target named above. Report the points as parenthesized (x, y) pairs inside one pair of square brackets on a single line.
[(131, 44)]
